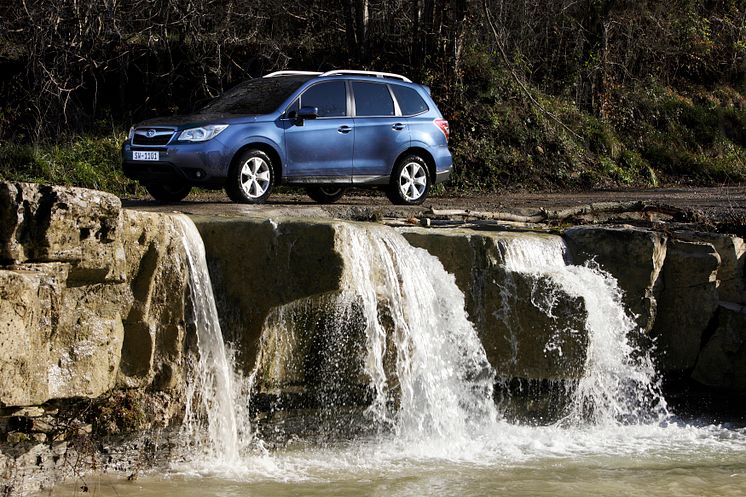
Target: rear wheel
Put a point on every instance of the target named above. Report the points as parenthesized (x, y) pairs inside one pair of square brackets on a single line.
[(325, 194), (251, 178), (168, 192), (410, 181)]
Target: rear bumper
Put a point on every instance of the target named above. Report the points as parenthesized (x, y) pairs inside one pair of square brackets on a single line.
[(442, 176), (443, 163)]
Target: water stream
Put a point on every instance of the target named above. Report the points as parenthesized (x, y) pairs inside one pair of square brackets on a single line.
[(432, 394), (619, 382)]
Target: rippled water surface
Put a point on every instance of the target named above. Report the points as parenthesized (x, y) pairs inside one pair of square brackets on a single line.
[(507, 461)]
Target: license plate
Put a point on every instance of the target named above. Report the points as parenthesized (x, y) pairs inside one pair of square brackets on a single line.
[(145, 155)]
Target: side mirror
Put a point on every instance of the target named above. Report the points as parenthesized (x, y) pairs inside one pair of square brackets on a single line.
[(307, 112)]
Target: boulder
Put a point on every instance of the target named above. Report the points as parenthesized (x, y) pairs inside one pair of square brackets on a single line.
[(92, 296), (633, 256), (722, 362), (687, 302)]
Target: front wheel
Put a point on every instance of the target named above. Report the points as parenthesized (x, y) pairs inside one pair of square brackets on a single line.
[(251, 178), (168, 192), (325, 194), (410, 181)]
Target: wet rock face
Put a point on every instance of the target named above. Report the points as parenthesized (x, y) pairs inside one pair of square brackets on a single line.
[(690, 290), (633, 256), (687, 302), (530, 328), (257, 265)]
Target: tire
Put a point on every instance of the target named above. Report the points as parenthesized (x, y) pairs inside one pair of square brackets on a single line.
[(250, 178), (410, 181), (325, 194), (168, 192)]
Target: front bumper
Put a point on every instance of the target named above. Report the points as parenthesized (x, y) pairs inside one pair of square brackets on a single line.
[(203, 164)]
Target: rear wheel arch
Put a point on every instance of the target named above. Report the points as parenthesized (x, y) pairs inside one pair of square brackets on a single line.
[(426, 156)]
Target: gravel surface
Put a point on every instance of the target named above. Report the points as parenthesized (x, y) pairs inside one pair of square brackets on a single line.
[(721, 204)]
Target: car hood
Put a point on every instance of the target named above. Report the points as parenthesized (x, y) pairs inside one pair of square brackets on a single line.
[(190, 120)]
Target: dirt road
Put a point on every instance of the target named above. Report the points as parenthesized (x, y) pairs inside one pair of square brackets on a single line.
[(723, 204)]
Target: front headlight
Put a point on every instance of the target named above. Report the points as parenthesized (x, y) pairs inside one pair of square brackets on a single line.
[(131, 134), (203, 133)]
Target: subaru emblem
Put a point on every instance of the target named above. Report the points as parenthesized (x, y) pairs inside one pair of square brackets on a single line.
[(151, 133)]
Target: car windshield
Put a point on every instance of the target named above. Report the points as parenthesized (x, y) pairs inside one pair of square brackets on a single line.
[(256, 96)]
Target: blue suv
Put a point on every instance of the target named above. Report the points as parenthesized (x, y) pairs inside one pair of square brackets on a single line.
[(325, 131)]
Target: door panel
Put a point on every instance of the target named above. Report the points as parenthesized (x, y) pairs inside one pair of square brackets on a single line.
[(380, 135), (378, 142), (321, 147)]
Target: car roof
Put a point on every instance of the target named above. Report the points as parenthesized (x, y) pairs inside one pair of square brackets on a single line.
[(341, 72)]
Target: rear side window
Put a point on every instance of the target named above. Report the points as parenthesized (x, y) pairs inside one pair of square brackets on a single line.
[(372, 99), (330, 98), (410, 102)]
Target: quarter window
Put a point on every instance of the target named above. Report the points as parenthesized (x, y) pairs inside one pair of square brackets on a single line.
[(330, 98), (410, 102), (372, 99)]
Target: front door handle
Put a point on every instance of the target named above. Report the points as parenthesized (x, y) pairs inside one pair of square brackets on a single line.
[(397, 127), (344, 129)]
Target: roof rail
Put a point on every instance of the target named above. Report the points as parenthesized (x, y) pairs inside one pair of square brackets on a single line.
[(376, 74), (291, 73)]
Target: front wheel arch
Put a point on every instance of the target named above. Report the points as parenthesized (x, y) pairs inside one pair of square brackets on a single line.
[(268, 149)]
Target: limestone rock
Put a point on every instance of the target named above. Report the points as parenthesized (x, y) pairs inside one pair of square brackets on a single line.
[(311, 353), (60, 224), (87, 289), (732, 271), (258, 264), (687, 302), (722, 362), (633, 256), (154, 325), (56, 341)]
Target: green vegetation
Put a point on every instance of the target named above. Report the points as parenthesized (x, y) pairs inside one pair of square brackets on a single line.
[(87, 161), (652, 135)]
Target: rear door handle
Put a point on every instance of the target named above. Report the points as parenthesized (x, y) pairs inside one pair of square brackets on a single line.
[(398, 126), (344, 129)]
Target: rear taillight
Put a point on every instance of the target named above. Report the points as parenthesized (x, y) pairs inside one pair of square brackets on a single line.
[(443, 125)]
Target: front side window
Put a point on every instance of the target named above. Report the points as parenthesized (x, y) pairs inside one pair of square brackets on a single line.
[(330, 98), (372, 99)]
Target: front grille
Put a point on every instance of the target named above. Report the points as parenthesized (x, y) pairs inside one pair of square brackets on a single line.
[(152, 136)]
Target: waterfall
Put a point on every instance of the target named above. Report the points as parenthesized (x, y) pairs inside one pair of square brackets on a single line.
[(216, 422), (428, 373), (441, 383), (618, 383)]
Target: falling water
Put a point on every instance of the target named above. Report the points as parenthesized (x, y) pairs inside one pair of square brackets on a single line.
[(619, 382), (443, 379), (216, 422)]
